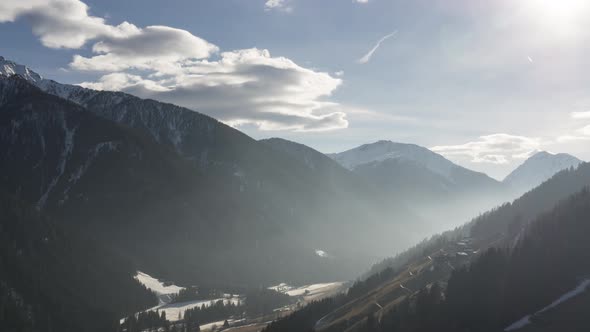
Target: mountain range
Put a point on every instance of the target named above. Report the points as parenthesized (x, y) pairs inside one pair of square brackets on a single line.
[(174, 192), (154, 177), (157, 181), (438, 189)]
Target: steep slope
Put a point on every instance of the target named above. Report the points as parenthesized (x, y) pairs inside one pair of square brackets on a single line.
[(57, 280), (428, 183), (158, 181), (505, 227), (353, 188), (512, 290), (537, 169)]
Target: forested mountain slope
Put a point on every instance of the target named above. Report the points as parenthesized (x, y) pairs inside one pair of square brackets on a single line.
[(57, 280), (503, 286), (435, 260), (182, 194)]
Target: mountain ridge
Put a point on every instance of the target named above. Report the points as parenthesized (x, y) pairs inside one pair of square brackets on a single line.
[(234, 187), (538, 168)]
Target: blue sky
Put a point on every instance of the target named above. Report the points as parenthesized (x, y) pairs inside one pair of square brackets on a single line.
[(486, 83)]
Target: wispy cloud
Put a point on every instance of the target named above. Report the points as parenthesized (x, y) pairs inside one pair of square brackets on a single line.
[(367, 57), (495, 149), (580, 115)]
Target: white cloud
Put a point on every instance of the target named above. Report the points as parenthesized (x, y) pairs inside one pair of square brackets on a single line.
[(62, 23), (153, 47), (242, 87), (495, 149), (361, 1), (571, 138), (367, 57), (581, 134), (580, 115), (280, 5), (585, 131), (160, 62)]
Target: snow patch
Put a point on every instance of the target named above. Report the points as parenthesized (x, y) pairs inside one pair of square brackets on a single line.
[(156, 285), (321, 253), (174, 310), (527, 319), (281, 288)]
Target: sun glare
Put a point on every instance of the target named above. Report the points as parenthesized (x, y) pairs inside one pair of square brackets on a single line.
[(563, 15)]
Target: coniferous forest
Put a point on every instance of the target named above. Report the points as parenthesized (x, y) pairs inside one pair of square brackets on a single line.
[(294, 166)]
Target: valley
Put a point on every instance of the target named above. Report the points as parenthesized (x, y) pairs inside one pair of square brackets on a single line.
[(109, 196)]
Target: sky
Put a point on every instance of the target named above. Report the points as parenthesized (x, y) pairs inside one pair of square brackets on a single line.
[(485, 83)]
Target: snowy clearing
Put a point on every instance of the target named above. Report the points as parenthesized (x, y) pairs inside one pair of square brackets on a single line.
[(156, 285), (309, 292), (173, 310), (321, 253), (315, 289), (281, 288), (165, 293)]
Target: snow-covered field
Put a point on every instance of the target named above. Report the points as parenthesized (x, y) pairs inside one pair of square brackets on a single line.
[(309, 292), (211, 326), (165, 293), (174, 309)]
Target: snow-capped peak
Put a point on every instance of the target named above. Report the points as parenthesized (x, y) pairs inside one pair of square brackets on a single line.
[(385, 150), (9, 68), (540, 167)]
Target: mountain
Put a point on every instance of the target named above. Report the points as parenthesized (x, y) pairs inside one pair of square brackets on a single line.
[(183, 195), (52, 279), (387, 150), (539, 285), (321, 166), (538, 168), (426, 181), (511, 262)]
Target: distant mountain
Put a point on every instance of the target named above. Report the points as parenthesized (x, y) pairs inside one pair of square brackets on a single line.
[(155, 181), (387, 150), (318, 163), (538, 168), (426, 181)]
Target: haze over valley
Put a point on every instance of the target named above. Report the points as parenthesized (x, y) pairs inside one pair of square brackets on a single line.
[(157, 174)]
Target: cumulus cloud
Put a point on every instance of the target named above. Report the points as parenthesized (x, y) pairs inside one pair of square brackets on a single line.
[(367, 57), (361, 1), (160, 62), (495, 149), (62, 23), (242, 87), (153, 47)]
